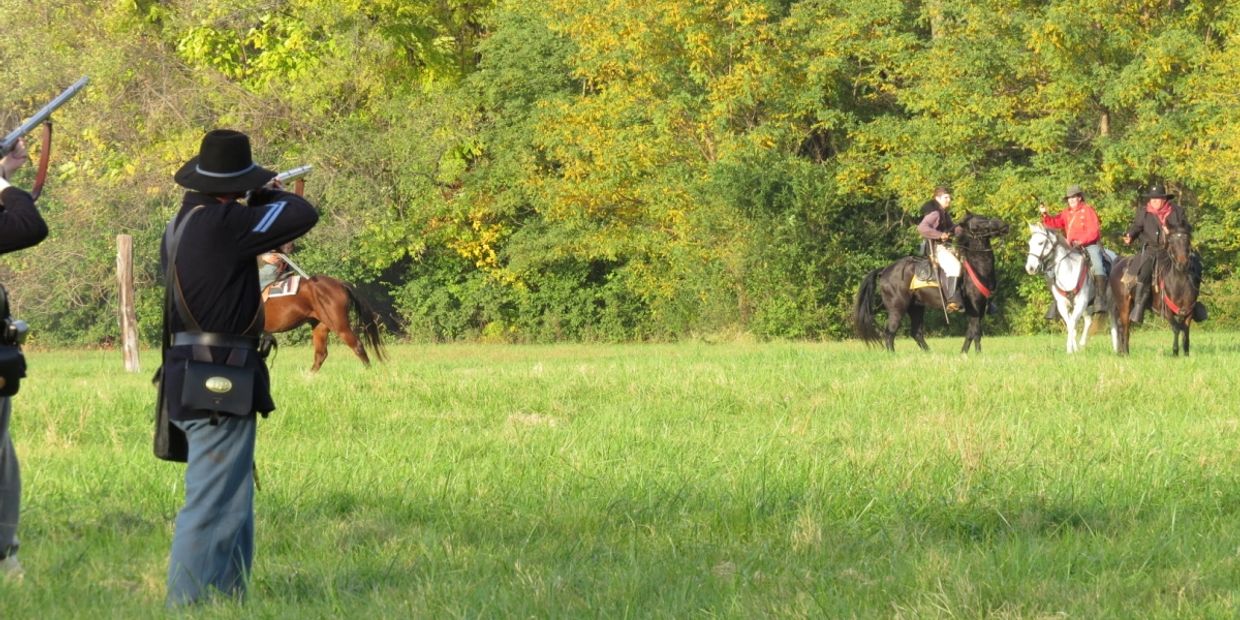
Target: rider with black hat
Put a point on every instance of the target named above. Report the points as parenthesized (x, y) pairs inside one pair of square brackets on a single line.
[(213, 315), (1150, 224)]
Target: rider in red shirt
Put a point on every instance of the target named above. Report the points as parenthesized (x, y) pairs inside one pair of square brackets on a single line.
[(1082, 230)]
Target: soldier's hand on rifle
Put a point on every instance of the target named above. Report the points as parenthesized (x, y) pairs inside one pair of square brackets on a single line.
[(945, 236), (14, 159)]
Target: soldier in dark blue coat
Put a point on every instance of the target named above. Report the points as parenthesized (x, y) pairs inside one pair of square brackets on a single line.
[(213, 271), (20, 227)]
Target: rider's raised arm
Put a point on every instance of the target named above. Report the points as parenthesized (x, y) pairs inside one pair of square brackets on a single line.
[(274, 217), (1054, 221)]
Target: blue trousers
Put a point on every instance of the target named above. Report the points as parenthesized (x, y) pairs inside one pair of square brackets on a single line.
[(10, 484), (213, 546), (1095, 259)]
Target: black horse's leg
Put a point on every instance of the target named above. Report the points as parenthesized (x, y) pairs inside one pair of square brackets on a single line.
[(1186, 326), (889, 332), (895, 314), (973, 335), (977, 337), (917, 325)]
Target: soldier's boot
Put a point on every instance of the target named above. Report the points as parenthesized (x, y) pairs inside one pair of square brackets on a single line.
[(952, 293), (1139, 299), (1052, 313), (1102, 295)]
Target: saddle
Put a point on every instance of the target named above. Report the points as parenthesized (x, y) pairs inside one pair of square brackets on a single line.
[(285, 286), (923, 275)]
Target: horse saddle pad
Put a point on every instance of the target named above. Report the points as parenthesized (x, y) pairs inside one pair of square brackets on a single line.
[(284, 288), (923, 275)]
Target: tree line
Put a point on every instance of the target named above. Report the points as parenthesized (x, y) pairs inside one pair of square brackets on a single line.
[(601, 170)]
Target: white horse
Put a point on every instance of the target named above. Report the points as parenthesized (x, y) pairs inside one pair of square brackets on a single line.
[(1071, 285)]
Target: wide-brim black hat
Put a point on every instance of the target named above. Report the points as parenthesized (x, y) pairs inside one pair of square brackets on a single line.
[(224, 165), (1157, 190)]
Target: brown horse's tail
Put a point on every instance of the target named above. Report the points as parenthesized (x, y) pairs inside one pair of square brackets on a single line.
[(367, 323), (863, 310)]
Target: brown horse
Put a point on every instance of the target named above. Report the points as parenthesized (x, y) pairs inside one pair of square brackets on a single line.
[(1176, 284), (324, 302)]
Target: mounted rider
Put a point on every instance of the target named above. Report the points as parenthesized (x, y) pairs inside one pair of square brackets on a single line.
[(1150, 225), (1082, 230), (272, 265), (936, 227)]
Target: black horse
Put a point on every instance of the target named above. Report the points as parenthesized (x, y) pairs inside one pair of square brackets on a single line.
[(898, 297), (1176, 285)]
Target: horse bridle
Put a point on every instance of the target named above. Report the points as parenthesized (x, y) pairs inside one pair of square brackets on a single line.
[(1167, 248), (1048, 252), (980, 237)]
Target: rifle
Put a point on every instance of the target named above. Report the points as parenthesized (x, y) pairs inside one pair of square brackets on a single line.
[(298, 187), (42, 116), (296, 173), (934, 264)]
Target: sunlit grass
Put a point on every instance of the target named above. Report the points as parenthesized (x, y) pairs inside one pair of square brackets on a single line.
[(739, 480)]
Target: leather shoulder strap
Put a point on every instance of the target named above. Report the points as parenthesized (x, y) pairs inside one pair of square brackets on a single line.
[(173, 281), (172, 239)]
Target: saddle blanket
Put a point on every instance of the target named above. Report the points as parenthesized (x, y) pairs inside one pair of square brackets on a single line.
[(284, 288)]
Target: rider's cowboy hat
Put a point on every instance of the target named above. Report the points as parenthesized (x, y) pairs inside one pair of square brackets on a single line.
[(1157, 190), (1073, 190), (224, 165)]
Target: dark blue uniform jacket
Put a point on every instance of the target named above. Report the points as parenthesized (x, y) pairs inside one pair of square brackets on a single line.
[(218, 272)]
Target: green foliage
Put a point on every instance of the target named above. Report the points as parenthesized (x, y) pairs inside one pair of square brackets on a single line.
[(532, 171)]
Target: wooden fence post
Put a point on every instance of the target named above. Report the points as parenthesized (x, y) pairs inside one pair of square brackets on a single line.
[(129, 318)]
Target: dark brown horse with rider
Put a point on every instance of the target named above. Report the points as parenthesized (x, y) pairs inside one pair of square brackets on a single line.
[(1175, 283), (893, 285), (1166, 270)]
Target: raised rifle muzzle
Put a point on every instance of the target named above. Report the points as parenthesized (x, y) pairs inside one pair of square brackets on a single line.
[(10, 140)]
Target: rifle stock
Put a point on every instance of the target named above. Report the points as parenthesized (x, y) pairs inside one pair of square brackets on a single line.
[(10, 140)]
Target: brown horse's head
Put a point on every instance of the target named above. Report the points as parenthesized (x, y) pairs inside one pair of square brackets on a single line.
[(1179, 247)]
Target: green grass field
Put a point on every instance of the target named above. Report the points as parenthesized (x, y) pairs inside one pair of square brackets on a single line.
[(691, 480)]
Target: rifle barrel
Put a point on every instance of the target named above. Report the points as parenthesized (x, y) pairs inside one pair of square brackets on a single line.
[(10, 141), (289, 175)]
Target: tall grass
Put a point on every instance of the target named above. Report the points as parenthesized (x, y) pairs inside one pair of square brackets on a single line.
[(735, 480)]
